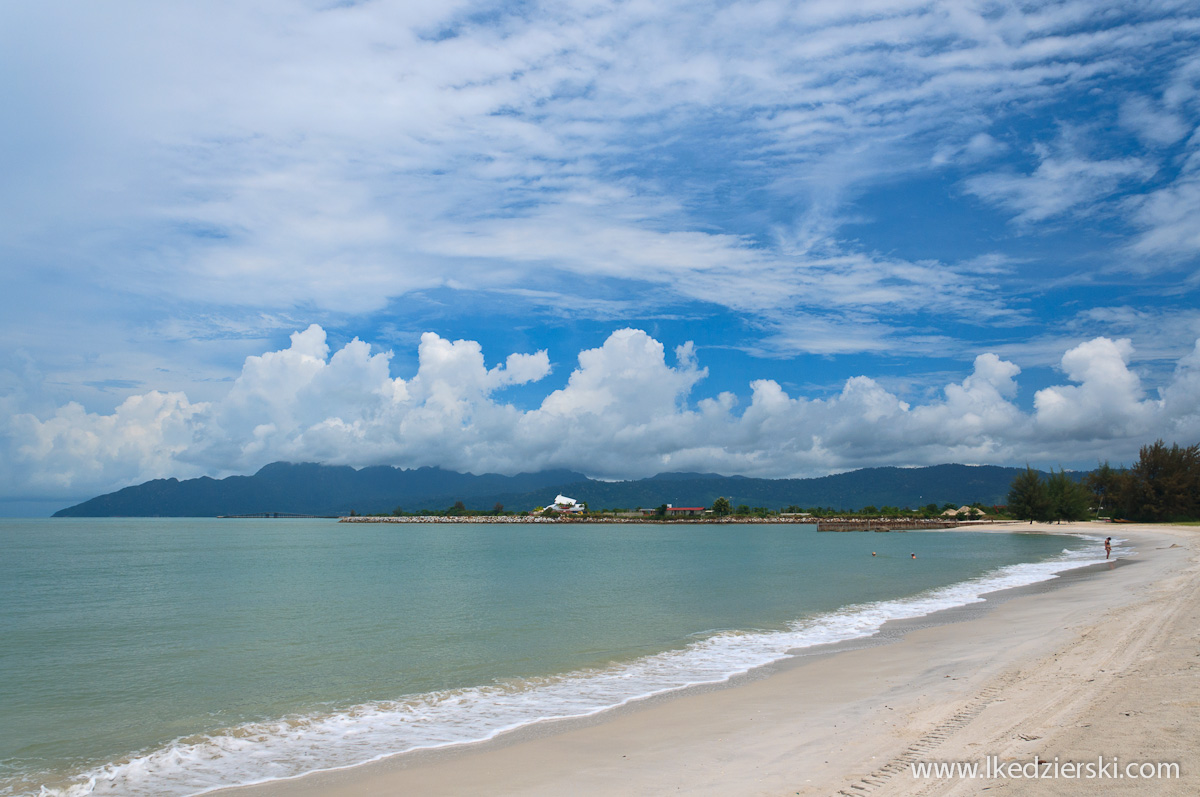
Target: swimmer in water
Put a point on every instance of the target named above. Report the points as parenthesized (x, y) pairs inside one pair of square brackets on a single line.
[(914, 556)]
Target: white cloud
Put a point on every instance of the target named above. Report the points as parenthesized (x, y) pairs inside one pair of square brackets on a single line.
[(627, 381), (979, 147), (1181, 399), (145, 437), (1063, 181), (280, 155), (1168, 216), (625, 411), (1108, 395), (1154, 126)]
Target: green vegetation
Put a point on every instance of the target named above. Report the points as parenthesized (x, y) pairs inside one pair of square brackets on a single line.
[(1164, 485), (721, 507), (329, 490), (458, 509), (1057, 498), (1069, 500), (1027, 499), (757, 498)]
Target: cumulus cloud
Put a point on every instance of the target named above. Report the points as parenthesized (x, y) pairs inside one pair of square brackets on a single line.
[(145, 437), (1180, 403), (1107, 394), (627, 410)]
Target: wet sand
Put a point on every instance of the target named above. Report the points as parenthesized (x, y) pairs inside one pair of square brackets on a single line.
[(1103, 662)]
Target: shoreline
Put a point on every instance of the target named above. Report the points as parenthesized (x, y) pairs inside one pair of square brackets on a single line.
[(801, 701), (880, 524)]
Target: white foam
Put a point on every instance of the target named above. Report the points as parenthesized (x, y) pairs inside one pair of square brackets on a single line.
[(294, 746)]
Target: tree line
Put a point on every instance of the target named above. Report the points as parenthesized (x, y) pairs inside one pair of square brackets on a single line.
[(1164, 485), (721, 507)]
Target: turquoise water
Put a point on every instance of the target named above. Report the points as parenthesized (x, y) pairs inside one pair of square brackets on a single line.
[(173, 656)]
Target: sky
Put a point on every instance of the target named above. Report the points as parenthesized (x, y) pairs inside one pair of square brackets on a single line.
[(778, 239)]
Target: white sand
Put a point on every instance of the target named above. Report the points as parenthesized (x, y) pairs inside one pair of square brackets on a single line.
[(1103, 665)]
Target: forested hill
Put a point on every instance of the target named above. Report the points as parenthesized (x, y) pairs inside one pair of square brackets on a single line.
[(898, 487), (311, 489)]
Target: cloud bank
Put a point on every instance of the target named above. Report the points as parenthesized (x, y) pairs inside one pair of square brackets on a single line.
[(627, 410)]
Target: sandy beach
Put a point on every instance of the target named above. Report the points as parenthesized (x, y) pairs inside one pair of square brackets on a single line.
[(1101, 666)]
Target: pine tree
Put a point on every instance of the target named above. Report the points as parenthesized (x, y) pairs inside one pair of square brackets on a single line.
[(1027, 498), (1108, 486), (1165, 483), (1068, 499)]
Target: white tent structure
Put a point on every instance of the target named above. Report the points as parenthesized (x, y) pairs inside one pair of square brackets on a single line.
[(564, 504)]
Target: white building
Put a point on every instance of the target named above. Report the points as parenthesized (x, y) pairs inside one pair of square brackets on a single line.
[(564, 504)]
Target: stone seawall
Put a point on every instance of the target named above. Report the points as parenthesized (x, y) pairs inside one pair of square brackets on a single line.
[(822, 524), (883, 524)]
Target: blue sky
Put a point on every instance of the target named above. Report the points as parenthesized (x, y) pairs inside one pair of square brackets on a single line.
[(770, 238)]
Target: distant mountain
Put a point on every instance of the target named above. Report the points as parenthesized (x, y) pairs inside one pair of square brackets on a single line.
[(311, 489), (899, 487)]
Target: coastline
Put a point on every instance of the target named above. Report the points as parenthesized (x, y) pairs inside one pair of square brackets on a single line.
[(881, 524), (981, 680)]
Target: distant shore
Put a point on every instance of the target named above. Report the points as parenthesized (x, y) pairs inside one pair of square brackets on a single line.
[(830, 524)]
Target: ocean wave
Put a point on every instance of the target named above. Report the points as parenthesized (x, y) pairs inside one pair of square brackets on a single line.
[(298, 745)]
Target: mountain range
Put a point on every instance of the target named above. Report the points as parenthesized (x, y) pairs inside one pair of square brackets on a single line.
[(313, 489)]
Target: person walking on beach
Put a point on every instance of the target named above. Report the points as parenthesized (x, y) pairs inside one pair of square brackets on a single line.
[(1107, 547)]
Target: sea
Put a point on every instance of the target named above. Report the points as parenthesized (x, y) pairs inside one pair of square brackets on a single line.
[(178, 656)]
